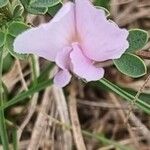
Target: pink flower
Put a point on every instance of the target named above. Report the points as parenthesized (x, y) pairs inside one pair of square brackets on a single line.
[(76, 38)]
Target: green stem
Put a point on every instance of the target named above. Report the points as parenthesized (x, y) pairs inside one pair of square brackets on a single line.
[(127, 96), (105, 140), (3, 130), (35, 68), (14, 137)]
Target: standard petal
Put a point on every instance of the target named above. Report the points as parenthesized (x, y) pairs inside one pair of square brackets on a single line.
[(63, 58), (101, 39), (47, 39), (62, 78), (83, 67)]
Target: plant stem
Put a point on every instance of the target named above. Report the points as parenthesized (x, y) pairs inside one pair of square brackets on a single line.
[(35, 68), (127, 96), (3, 130)]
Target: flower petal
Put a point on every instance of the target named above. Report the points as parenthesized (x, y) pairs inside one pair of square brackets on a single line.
[(101, 39), (62, 78), (83, 67), (63, 58), (47, 39)]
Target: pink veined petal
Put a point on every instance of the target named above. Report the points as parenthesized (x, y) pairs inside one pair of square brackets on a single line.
[(62, 78), (49, 38), (63, 58), (83, 67), (100, 39)]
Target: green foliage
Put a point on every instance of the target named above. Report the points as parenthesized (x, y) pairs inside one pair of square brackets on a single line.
[(14, 138), (16, 27), (3, 3), (11, 12), (54, 9), (2, 38), (102, 3), (40, 6), (45, 72), (9, 47), (33, 10), (3, 129), (131, 65), (18, 11), (8, 61), (106, 141), (33, 89), (140, 101), (43, 3), (36, 10), (7, 39), (137, 39), (143, 96)]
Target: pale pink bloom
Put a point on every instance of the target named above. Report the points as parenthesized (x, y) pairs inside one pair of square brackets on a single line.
[(75, 39)]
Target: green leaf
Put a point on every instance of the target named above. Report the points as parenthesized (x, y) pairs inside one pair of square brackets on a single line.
[(137, 39), (18, 10), (16, 27), (45, 72), (33, 10), (8, 61), (131, 65), (14, 139), (37, 10), (105, 140), (9, 47), (2, 38), (44, 3), (3, 3), (53, 10), (102, 3), (33, 89), (143, 96), (5, 52), (124, 94)]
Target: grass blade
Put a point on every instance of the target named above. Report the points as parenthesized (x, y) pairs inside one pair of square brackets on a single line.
[(106, 141), (26, 94), (3, 130), (127, 96), (14, 138)]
